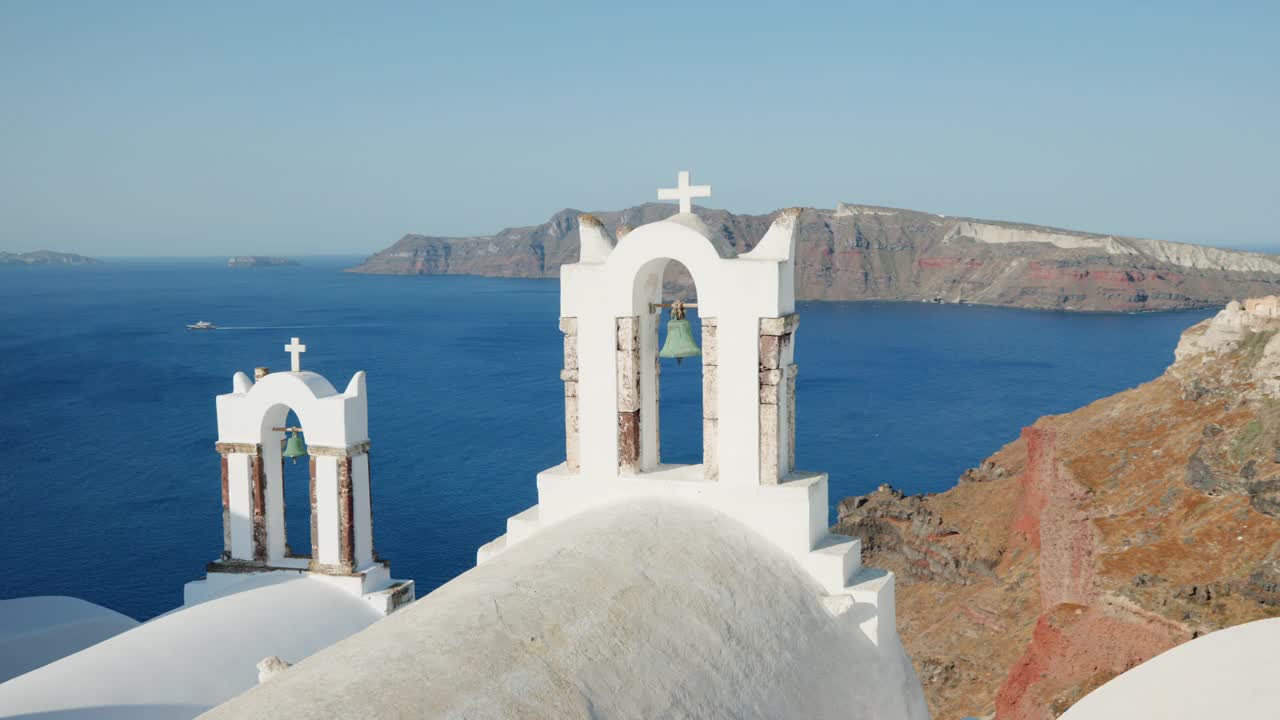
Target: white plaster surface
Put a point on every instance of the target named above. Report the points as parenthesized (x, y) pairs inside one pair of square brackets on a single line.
[(736, 291), (35, 631), (363, 509), (185, 662), (327, 509), (329, 418), (646, 609), (791, 515), (1231, 673)]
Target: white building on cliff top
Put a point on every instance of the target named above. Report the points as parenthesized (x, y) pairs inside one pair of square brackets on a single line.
[(633, 588)]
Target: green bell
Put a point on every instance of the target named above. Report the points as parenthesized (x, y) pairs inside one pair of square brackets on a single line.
[(294, 448), (680, 343)]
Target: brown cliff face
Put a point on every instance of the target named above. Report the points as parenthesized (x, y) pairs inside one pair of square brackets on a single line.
[(859, 252), (1097, 539)]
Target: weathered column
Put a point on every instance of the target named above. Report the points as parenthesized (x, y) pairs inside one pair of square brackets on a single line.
[(569, 374), (259, 479), (326, 537), (226, 506), (311, 495), (710, 401), (652, 413), (777, 425), (342, 509), (368, 481), (628, 365), (276, 533), (284, 511), (244, 531), (346, 517), (790, 433)]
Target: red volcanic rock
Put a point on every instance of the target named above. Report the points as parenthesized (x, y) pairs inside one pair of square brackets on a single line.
[(1098, 538)]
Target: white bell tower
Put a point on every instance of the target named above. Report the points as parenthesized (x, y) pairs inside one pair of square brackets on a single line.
[(251, 435), (610, 306)]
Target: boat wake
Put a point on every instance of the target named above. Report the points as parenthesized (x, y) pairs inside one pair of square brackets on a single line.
[(290, 327)]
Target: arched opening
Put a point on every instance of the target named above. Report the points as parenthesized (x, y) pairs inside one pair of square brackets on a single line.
[(680, 387), (287, 491), (639, 372), (296, 479)]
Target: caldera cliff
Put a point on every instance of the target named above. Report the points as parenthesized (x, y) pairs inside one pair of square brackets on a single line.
[(1100, 537), (861, 252)]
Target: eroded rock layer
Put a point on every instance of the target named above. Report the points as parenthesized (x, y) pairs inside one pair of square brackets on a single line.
[(861, 252), (1100, 537)]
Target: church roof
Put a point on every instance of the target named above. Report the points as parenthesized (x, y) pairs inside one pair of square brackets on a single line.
[(191, 659), (650, 608), (35, 631)]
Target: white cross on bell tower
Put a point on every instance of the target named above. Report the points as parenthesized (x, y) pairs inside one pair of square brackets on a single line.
[(295, 350), (684, 192)]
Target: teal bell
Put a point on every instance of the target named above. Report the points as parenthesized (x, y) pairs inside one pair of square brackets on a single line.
[(680, 343), (294, 448)]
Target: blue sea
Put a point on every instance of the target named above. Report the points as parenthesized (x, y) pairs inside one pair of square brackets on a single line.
[(109, 483)]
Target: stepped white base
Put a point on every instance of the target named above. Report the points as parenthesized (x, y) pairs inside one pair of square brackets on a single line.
[(791, 515), (869, 601), (372, 583)]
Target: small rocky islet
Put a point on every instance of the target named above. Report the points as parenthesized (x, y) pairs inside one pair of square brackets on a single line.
[(45, 257)]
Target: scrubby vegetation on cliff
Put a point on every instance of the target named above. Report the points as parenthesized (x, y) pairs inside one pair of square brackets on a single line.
[(1100, 537)]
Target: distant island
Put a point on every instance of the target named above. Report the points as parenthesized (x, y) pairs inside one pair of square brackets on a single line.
[(45, 257), (865, 252), (246, 261)]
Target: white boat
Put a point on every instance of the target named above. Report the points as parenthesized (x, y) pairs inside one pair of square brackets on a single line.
[(203, 325)]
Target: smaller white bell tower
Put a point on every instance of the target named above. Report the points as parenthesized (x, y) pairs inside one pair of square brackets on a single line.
[(251, 438)]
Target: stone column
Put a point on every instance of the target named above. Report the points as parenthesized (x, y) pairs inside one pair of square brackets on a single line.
[(628, 352), (361, 516), (311, 495), (569, 374), (259, 479), (226, 507), (244, 520), (653, 412), (790, 432), (346, 517), (368, 471), (710, 401), (777, 425), (341, 516)]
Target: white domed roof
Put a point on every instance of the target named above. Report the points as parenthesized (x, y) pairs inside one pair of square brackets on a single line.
[(189, 660), (1226, 674), (650, 608)]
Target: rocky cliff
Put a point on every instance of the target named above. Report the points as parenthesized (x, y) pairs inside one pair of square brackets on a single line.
[(1100, 537), (860, 252)]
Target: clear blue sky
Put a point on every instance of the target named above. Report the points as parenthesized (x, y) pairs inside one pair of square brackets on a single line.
[(304, 127)]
